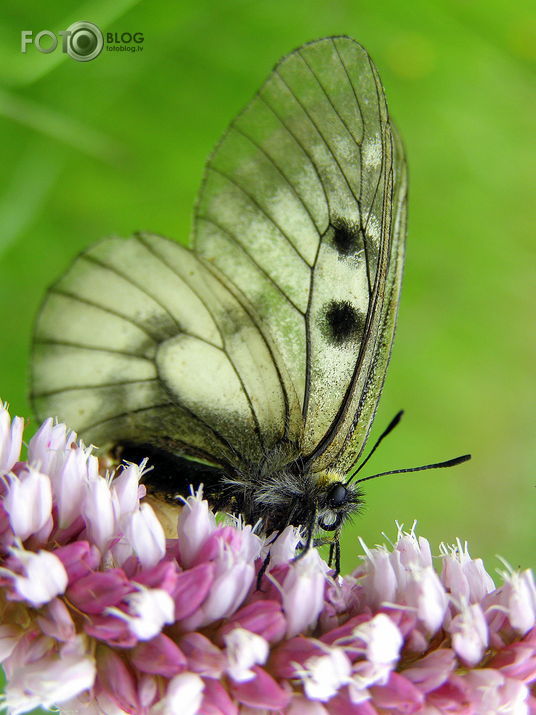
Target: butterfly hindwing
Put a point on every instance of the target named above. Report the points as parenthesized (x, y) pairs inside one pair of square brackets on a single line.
[(138, 341), (302, 210)]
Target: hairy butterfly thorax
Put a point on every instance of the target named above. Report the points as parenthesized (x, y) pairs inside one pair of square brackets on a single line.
[(251, 362), (294, 495)]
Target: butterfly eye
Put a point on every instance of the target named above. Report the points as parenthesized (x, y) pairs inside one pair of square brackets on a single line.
[(337, 495)]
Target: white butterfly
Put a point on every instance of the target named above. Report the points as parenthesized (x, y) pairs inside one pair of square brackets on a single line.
[(254, 361)]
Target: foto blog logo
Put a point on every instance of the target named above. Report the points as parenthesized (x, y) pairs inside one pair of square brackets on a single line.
[(83, 41)]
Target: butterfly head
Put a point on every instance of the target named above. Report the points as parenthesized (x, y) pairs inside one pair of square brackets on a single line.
[(335, 500), (286, 492)]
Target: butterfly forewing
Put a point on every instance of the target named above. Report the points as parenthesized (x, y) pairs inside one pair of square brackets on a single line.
[(300, 210)]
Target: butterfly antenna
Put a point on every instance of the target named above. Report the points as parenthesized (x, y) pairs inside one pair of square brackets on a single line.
[(437, 465), (390, 427)]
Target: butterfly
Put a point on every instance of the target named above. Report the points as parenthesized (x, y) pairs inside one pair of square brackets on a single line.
[(253, 361)]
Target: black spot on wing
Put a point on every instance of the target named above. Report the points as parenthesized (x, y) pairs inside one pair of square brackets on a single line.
[(346, 239), (341, 322)]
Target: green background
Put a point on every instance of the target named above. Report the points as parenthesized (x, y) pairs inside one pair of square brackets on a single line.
[(118, 144)]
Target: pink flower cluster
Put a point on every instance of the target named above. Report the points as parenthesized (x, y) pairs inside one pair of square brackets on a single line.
[(102, 614)]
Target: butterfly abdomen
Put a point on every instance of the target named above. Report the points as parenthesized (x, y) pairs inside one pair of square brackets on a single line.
[(171, 475)]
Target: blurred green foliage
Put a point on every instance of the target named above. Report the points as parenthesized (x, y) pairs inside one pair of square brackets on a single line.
[(118, 144)]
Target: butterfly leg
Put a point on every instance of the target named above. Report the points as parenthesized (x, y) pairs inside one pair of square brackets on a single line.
[(335, 555), (266, 562), (334, 558), (262, 570), (309, 540)]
